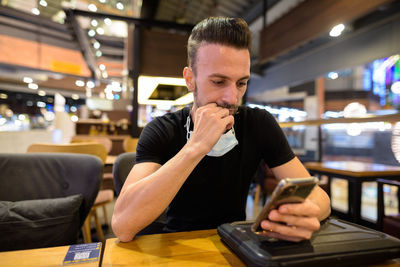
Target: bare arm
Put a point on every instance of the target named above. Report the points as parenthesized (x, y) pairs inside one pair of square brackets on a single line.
[(301, 219), (150, 187)]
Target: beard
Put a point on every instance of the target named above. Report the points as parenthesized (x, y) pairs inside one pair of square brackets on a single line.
[(233, 109)]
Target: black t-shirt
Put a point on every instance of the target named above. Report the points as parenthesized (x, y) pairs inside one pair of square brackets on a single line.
[(216, 190)]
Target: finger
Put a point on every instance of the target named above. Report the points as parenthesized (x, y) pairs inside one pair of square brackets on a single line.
[(229, 121), (311, 223), (307, 208), (286, 230)]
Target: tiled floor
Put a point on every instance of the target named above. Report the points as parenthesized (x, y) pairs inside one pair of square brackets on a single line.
[(339, 201)]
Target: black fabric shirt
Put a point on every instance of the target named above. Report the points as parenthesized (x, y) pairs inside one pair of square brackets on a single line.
[(216, 191)]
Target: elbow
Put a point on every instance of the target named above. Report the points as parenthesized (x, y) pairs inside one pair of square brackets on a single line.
[(122, 232)]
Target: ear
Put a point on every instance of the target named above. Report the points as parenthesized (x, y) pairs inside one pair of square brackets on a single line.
[(189, 78)]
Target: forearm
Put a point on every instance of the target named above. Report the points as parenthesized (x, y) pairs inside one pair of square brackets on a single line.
[(144, 199)]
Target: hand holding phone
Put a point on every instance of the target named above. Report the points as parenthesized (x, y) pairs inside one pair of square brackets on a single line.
[(289, 190)]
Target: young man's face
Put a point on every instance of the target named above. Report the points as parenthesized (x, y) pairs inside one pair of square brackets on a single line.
[(221, 76)]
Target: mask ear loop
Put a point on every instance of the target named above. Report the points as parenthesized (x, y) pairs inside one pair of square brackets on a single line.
[(187, 125)]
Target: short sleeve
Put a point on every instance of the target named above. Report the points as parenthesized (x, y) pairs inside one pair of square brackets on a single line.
[(150, 146), (275, 147)]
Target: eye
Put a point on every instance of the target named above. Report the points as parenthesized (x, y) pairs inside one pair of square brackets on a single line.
[(242, 84), (218, 82)]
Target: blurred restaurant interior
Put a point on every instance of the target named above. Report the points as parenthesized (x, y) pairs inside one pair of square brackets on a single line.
[(329, 72)]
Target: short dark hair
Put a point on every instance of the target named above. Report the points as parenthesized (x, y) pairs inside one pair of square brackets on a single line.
[(232, 32)]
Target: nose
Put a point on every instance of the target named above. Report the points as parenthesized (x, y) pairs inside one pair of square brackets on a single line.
[(230, 95)]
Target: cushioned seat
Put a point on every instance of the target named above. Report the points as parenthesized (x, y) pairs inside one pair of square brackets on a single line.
[(45, 198)]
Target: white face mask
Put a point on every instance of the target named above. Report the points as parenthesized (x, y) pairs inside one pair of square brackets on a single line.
[(225, 143)]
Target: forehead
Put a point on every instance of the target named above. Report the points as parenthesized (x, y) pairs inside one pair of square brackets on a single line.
[(223, 59)]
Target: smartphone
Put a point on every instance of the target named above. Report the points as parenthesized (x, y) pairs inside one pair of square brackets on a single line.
[(289, 190)]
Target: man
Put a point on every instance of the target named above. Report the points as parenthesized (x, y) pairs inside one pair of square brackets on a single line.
[(198, 162)]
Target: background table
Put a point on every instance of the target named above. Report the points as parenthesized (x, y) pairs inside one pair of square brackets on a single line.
[(41, 257), (355, 173)]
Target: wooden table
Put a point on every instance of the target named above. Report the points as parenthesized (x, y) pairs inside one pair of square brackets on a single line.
[(41, 257), (355, 173), (197, 248)]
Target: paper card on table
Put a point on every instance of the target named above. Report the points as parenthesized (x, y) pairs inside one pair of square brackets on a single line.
[(82, 253)]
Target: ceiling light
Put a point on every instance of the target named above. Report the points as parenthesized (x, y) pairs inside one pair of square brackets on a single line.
[(94, 23), (98, 53), (40, 104), (90, 84), (33, 86), (107, 21), (3, 96), (41, 93), (27, 80), (109, 96), (333, 75), (120, 6), (74, 118), (43, 3), (100, 30), (395, 87), (79, 83), (354, 110), (96, 45), (337, 30), (102, 67), (92, 7), (103, 1), (91, 33), (35, 11), (75, 96)]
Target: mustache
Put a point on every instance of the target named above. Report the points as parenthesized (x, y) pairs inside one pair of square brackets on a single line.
[(233, 109)]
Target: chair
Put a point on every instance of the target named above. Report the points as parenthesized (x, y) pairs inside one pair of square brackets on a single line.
[(129, 144), (122, 166), (389, 224), (107, 143), (45, 198), (104, 196)]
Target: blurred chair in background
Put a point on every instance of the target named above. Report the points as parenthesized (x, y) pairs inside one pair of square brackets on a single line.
[(45, 198), (130, 144), (386, 223), (107, 143), (104, 196), (122, 166)]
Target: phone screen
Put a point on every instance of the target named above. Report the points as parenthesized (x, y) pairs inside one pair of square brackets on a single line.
[(289, 190)]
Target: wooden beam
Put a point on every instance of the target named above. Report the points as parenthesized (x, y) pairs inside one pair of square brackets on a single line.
[(307, 21)]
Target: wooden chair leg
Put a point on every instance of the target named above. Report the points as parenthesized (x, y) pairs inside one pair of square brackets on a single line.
[(87, 238), (100, 234), (105, 215)]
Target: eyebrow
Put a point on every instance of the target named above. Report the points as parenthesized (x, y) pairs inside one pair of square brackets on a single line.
[(218, 75)]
